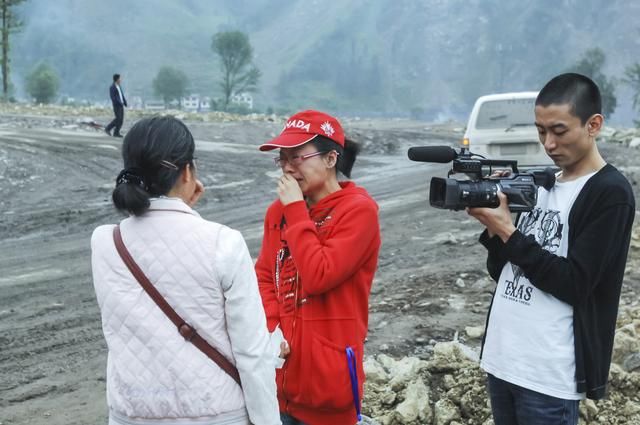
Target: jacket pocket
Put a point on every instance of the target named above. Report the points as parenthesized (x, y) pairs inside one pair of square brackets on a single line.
[(330, 385)]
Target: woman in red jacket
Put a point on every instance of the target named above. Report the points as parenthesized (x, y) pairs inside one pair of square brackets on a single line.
[(315, 269)]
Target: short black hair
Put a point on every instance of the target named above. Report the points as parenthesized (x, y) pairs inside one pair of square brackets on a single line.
[(116, 77), (577, 90)]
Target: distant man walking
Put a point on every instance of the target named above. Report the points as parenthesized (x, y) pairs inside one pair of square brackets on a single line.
[(119, 102)]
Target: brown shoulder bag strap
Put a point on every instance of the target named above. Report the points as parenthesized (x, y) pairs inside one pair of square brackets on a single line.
[(186, 330)]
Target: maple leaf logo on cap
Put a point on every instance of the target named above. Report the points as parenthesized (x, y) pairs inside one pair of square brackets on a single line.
[(327, 128)]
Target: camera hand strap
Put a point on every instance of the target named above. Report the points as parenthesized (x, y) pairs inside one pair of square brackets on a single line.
[(186, 330)]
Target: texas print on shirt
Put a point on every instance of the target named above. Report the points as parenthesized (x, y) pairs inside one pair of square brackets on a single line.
[(546, 226)]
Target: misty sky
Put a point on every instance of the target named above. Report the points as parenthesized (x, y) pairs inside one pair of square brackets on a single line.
[(383, 57)]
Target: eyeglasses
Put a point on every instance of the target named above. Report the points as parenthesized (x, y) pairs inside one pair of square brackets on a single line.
[(295, 160)]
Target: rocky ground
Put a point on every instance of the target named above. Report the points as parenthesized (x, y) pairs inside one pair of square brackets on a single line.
[(445, 386), (428, 303)]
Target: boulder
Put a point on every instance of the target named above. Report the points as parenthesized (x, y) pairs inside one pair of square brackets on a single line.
[(375, 372), (588, 409), (445, 412), (474, 332), (626, 342), (631, 362), (404, 371), (415, 406)]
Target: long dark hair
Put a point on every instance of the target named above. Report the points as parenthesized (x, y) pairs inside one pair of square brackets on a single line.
[(346, 155), (155, 151)]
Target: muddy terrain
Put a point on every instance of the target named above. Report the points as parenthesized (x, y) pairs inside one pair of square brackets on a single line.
[(56, 177)]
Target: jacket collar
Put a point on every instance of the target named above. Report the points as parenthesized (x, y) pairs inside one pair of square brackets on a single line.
[(170, 204)]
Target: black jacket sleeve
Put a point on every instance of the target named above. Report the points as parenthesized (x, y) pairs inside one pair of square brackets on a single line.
[(496, 258), (596, 245)]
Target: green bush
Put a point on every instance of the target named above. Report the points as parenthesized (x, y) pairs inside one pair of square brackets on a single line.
[(43, 83)]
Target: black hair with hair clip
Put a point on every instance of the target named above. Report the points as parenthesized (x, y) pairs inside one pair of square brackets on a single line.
[(131, 176)]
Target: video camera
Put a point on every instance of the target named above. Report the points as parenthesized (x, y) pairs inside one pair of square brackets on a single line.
[(480, 190)]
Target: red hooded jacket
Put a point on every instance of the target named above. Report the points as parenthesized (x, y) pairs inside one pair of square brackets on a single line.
[(315, 271)]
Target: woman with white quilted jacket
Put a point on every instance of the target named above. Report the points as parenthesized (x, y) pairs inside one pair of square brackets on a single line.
[(204, 271)]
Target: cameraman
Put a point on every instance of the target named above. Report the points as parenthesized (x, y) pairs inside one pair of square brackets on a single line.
[(552, 319)]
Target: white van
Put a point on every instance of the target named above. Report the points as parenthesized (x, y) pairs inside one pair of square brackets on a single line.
[(502, 126)]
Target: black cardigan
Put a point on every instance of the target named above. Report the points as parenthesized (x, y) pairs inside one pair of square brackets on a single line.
[(589, 278)]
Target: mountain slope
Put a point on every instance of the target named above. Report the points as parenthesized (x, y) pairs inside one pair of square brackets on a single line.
[(376, 56)]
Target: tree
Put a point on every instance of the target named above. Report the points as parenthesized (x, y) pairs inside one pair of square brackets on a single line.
[(10, 24), (591, 65), (236, 55), (170, 84), (632, 79), (43, 83)]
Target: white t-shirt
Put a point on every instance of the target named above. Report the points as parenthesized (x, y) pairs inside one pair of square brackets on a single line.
[(529, 339), (120, 94)]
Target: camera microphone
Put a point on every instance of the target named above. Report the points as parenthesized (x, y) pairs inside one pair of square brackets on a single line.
[(441, 154)]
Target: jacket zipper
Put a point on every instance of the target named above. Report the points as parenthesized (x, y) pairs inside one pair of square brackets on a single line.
[(293, 333), (286, 369)]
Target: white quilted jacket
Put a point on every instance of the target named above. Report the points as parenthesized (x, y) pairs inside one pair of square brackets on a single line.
[(204, 270)]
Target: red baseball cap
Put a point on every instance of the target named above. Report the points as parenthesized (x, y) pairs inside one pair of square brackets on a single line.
[(304, 127)]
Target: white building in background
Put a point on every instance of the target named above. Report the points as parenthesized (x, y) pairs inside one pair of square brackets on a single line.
[(243, 98), (154, 105), (195, 103), (136, 102), (191, 102), (205, 103)]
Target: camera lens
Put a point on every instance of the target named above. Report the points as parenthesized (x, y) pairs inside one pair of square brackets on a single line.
[(478, 194), (453, 194)]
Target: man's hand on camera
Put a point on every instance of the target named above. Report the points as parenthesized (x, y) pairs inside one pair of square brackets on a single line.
[(497, 220), (501, 173)]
